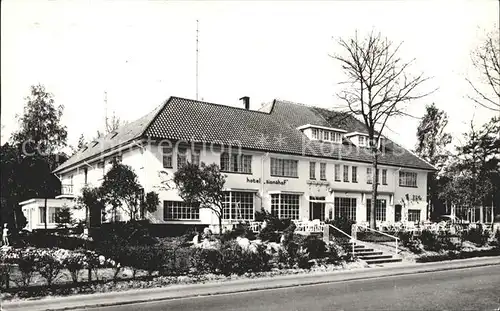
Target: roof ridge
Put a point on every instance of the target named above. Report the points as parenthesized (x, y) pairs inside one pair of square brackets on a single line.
[(219, 105)]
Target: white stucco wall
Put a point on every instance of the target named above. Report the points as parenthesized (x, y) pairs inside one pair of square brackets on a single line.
[(147, 163)]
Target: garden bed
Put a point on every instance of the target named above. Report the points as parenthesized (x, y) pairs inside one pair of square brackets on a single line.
[(64, 286)]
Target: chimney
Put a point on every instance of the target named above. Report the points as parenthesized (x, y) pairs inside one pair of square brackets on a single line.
[(246, 102)]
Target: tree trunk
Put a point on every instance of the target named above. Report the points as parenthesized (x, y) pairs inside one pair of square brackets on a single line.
[(46, 214), (374, 190), (220, 224)]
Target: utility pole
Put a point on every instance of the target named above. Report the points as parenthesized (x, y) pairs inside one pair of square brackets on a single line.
[(197, 34), (105, 111)]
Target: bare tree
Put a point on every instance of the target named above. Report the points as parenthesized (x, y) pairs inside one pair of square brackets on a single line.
[(486, 60), (111, 125), (377, 87)]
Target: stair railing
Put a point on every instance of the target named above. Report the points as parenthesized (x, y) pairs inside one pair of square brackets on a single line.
[(355, 230), (352, 239)]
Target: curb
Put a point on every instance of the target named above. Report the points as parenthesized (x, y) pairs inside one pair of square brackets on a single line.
[(241, 286)]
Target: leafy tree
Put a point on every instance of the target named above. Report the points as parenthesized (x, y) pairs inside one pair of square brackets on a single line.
[(91, 200), (150, 203), (121, 188), (28, 161), (40, 130), (431, 146), (474, 177), (64, 218), (377, 87), (486, 60), (202, 187)]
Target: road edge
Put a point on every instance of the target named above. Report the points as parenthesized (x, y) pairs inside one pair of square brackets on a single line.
[(241, 286)]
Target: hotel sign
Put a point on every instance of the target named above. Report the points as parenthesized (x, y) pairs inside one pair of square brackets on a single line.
[(268, 181)]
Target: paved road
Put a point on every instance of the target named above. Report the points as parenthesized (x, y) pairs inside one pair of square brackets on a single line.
[(464, 289)]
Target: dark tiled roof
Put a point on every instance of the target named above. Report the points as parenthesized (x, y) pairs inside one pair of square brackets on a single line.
[(107, 142), (274, 130)]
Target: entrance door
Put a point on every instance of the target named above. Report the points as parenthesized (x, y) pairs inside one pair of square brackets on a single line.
[(316, 209), (397, 212)]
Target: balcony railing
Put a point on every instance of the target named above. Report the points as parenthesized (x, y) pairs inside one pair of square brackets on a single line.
[(67, 189)]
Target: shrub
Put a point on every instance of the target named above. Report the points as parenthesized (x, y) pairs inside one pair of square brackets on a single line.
[(288, 233), (123, 234), (75, 264), (240, 230), (205, 260), (334, 253), (496, 239), (314, 246), (46, 240), (292, 255), (48, 265), (269, 234), (477, 236), (144, 257), (430, 240), (26, 262)]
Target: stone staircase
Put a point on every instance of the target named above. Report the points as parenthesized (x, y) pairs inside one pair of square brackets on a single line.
[(370, 255)]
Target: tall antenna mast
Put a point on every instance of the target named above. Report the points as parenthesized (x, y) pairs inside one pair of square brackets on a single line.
[(197, 34), (105, 111)]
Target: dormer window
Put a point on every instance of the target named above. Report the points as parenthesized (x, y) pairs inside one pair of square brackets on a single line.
[(326, 134), (362, 141), (315, 133)]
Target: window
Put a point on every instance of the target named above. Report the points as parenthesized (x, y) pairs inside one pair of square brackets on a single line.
[(326, 135), (407, 179), (380, 209), (315, 133), (384, 177), (322, 171), (236, 163), (284, 168), (181, 157), (362, 140), (224, 162), (101, 166), (337, 172), (414, 215), (368, 175), (312, 170), (337, 137), (178, 210), (86, 175), (317, 209), (53, 211), (167, 157), (354, 173), (285, 206), (195, 157), (238, 206), (345, 208), (346, 173), (43, 215)]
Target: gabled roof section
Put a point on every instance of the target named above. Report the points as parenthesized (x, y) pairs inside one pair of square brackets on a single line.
[(122, 135), (272, 129)]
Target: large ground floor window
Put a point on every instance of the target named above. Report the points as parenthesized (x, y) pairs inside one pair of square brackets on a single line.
[(179, 210), (345, 208), (414, 215), (238, 205), (380, 209), (285, 206)]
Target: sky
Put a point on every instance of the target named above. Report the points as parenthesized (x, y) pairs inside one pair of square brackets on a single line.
[(142, 52)]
